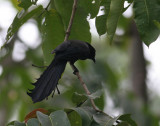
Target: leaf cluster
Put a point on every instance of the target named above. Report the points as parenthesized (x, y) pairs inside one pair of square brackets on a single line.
[(79, 116)]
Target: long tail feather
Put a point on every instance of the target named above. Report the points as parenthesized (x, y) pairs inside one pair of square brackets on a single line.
[(47, 81)]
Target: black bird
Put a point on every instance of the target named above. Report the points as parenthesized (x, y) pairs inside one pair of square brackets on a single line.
[(71, 50)]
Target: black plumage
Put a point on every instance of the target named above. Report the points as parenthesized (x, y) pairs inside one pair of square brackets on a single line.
[(71, 50)]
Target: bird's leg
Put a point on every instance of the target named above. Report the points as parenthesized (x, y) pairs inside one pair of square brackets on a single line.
[(53, 93), (58, 90), (75, 69)]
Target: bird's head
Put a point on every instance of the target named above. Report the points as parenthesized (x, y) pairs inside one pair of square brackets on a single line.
[(94, 60), (92, 52)]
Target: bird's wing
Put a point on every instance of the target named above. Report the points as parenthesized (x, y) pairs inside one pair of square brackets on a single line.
[(73, 53)]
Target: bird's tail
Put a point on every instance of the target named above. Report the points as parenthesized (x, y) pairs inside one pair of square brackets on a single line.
[(47, 81)]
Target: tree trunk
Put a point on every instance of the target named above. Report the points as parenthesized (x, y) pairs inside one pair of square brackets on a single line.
[(138, 66)]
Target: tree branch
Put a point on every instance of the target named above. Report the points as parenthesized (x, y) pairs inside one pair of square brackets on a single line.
[(66, 38), (71, 20)]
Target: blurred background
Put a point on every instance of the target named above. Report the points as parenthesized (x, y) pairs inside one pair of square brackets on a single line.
[(127, 71)]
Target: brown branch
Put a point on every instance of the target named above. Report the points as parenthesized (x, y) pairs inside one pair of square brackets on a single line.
[(71, 20), (66, 38), (86, 90)]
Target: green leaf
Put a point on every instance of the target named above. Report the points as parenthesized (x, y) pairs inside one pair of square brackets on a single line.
[(146, 11), (106, 4), (25, 4), (101, 20), (96, 94), (22, 111), (86, 115), (102, 119), (33, 122), (111, 121), (80, 29), (90, 6), (107, 74), (78, 98), (16, 123), (52, 33), (124, 9), (44, 119), (75, 118), (100, 102), (127, 118), (33, 114), (15, 4), (11, 123), (157, 23), (35, 56), (129, 1), (59, 118), (123, 124), (20, 19), (115, 12), (94, 124), (101, 24)]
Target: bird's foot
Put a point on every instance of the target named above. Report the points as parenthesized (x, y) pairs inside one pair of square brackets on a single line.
[(74, 68), (53, 93), (75, 71), (58, 90), (68, 33)]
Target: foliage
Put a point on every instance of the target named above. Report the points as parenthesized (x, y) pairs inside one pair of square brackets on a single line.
[(145, 18), (20, 19), (145, 15), (79, 116), (70, 107)]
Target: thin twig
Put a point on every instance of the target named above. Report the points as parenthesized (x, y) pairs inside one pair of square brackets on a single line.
[(48, 5), (38, 66), (86, 90), (66, 38), (71, 20)]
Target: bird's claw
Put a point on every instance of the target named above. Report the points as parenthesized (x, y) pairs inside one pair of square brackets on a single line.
[(75, 71)]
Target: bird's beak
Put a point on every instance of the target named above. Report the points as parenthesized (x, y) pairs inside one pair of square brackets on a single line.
[(94, 60)]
